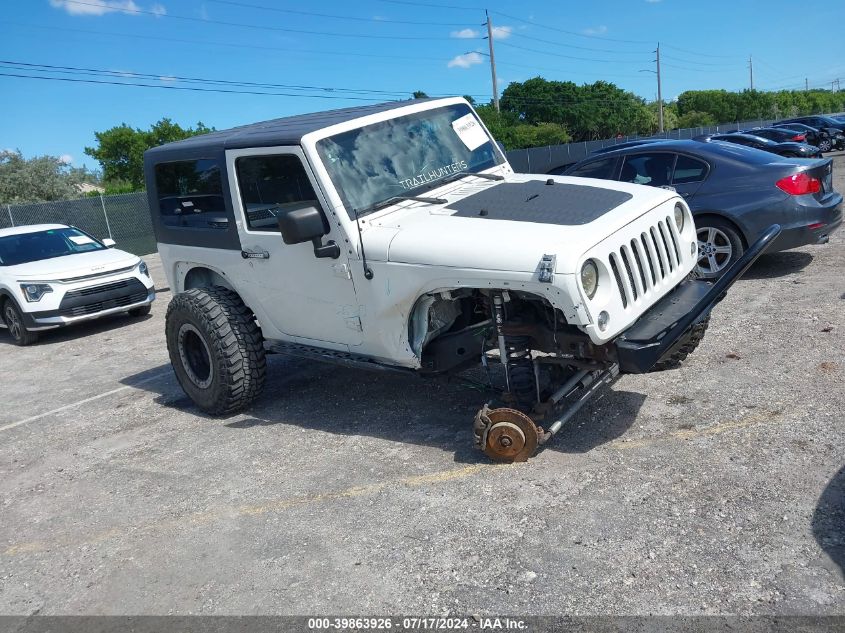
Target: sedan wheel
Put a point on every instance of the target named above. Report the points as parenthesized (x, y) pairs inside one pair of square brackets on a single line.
[(715, 251), (14, 321), (824, 146)]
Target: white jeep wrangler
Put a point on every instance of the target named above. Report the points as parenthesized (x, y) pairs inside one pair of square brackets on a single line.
[(397, 237)]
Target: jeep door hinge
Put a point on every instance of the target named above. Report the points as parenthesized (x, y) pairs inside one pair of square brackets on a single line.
[(547, 269), (342, 271)]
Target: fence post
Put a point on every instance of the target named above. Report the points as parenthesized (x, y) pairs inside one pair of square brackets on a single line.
[(11, 217), (105, 215)]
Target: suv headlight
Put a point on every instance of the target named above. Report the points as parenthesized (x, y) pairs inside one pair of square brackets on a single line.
[(590, 278), (142, 268), (679, 217), (34, 292)]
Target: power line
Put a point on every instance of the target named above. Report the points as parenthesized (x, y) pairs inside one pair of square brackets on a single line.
[(582, 48), (229, 44), (333, 16), (573, 33), (167, 77), (190, 88), (268, 28), (583, 59)]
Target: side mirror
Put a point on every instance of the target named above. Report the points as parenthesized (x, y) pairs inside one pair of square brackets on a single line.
[(306, 225), (108, 242)]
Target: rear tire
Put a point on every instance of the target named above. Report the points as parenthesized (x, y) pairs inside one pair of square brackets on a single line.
[(13, 319), (719, 246), (216, 349), (825, 146)]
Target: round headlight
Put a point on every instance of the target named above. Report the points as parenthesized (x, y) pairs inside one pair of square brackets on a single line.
[(590, 278), (679, 217)]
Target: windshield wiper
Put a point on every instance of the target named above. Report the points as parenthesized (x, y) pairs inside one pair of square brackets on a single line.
[(464, 174), (395, 199)]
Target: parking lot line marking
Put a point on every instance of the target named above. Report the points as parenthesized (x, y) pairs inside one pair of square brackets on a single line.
[(105, 394), (686, 434), (202, 518)]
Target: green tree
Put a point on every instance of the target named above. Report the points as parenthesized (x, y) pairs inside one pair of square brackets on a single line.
[(120, 150), (39, 179), (591, 111), (696, 119), (419, 94)]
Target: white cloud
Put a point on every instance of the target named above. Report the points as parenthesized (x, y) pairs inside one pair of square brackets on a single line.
[(167, 79), (599, 30), (66, 159), (465, 61), (465, 34), (502, 32), (102, 7)]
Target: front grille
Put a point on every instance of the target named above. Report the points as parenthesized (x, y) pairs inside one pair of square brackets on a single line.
[(644, 263), (93, 299), (92, 290)]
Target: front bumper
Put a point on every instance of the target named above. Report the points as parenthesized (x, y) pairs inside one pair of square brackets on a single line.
[(668, 324), (87, 303)]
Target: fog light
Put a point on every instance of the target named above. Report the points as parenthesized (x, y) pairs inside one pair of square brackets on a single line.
[(604, 317)]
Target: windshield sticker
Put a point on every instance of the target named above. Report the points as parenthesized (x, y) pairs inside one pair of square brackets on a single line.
[(434, 174), (470, 132), (80, 240)]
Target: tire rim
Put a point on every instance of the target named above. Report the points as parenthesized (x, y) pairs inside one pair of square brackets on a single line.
[(13, 323), (824, 146), (714, 250), (195, 356)]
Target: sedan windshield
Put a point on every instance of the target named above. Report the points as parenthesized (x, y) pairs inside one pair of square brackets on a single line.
[(32, 247), (405, 156)]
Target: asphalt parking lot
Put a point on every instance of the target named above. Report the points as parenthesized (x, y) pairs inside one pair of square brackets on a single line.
[(717, 488)]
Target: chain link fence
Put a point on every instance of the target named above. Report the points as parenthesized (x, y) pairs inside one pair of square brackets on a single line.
[(125, 218), (540, 160)]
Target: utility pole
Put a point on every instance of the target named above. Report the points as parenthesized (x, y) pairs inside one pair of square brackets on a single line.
[(806, 85), (659, 94), (492, 62), (751, 71)]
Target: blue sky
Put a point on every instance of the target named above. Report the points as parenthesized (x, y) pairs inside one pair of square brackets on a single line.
[(385, 49)]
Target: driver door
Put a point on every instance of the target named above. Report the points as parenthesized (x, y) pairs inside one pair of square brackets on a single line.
[(302, 296)]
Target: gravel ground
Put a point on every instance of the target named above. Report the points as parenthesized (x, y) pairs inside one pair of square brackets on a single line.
[(716, 488)]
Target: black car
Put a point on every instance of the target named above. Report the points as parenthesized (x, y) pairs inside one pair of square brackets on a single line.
[(832, 126), (789, 148), (734, 193), (820, 138), (778, 135)]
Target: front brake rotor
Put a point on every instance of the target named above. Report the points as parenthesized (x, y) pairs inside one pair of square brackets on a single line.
[(511, 436)]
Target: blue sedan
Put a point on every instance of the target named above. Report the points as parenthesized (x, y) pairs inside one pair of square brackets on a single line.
[(734, 192)]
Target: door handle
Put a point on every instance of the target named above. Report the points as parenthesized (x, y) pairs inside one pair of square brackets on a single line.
[(255, 254)]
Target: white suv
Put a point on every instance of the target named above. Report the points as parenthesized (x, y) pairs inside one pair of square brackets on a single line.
[(53, 275), (397, 237)]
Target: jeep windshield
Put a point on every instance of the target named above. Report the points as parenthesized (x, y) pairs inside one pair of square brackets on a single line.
[(405, 156)]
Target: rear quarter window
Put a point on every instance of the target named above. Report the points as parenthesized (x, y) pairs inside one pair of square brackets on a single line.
[(688, 169), (190, 194)]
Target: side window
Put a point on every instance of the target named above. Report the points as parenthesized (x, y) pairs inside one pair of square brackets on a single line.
[(654, 168), (689, 170), (270, 184), (190, 194), (604, 169)]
